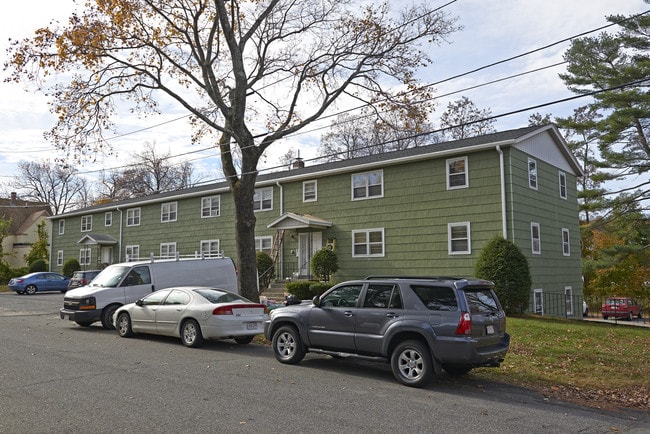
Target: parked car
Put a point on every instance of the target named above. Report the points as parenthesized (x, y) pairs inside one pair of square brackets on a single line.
[(193, 314), (38, 282), (82, 278), (420, 326), (621, 307)]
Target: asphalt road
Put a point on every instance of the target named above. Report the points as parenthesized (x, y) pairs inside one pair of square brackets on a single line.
[(57, 377)]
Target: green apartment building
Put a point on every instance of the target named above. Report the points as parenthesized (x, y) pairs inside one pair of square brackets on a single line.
[(422, 211)]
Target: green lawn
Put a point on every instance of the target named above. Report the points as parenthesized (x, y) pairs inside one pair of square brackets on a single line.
[(591, 362)]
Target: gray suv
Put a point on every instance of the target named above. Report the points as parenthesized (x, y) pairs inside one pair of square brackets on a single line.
[(420, 325)]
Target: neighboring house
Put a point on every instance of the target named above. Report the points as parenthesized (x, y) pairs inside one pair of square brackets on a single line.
[(422, 211), (25, 217)]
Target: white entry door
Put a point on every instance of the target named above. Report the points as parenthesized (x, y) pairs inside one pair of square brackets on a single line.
[(308, 244), (106, 255)]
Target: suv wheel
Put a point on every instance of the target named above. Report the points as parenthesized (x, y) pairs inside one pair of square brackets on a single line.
[(411, 364), (287, 345)]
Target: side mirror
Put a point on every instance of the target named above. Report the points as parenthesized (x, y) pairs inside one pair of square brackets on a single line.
[(139, 302), (316, 301)]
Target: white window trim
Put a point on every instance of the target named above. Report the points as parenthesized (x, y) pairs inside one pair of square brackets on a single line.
[(568, 296), (133, 211), (85, 256), (566, 245), (261, 190), (450, 240), (541, 301), (108, 218), (211, 199), (130, 257), (530, 174), (59, 258), (61, 227), (259, 244), (367, 232), (209, 253), (88, 220), (304, 184), (169, 206), (563, 185), (466, 173), (168, 245), (367, 196), (534, 251)]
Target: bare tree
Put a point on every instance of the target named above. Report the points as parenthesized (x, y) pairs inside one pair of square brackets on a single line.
[(539, 119), (57, 185), (150, 172), (249, 72), (462, 119)]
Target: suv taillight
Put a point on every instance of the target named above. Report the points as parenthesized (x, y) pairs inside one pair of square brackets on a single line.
[(465, 324)]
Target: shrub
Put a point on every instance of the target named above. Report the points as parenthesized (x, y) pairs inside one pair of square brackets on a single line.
[(300, 288), (324, 263), (503, 263), (265, 269), (70, 266), (318, 288), (38, 265)]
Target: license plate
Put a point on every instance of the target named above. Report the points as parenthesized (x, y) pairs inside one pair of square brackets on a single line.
[(489, 329), (251, 325)]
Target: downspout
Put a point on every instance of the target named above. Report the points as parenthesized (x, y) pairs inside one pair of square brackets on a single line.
[(502, 174), (281, 255), (119, 244)]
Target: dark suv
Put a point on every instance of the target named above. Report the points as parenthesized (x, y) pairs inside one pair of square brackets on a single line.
[(420, 325), (82, 278)]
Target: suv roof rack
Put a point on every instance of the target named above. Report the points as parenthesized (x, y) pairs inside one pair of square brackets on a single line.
[(377, 277)]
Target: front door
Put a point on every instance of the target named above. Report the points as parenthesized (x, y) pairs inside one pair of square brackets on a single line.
[(106, 255), (308, 244)]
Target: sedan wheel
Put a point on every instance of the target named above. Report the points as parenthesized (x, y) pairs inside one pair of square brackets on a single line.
[(123, 324), (30, 290), (287, 345), (191, 335), (411, 364)]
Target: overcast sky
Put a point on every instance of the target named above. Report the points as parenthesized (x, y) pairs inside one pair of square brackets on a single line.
[(494, 30)]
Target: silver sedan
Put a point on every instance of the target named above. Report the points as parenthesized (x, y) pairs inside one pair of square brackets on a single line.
[(193, 314)]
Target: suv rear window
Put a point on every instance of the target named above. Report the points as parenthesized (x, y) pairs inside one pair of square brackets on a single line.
[(436, 297), (481, 300)]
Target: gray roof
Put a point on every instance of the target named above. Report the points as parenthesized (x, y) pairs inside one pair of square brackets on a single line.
[(505, 138)]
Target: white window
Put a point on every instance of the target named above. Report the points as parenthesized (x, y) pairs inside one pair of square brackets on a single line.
[(167, 250), (61, 227), (457, 173), (535, 239), (459, 242), (310, 191), (86, 223), (368, 185), (59, 258), (211, 206), (108, 219), (368, 243), (210, 248), (132, 253), (562, 179), (168, 212), (264, 244), (84, 256), (566, 247), (538, 301), (568, 299), (263, 199), (532, 174), (133, 217)]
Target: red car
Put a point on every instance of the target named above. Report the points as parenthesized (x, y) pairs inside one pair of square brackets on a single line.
[(621, 307)]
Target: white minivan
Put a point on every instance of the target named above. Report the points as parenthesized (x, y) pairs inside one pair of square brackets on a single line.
[(123, 283)]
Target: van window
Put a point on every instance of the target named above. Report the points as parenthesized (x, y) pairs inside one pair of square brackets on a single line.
[(138, 276), (436, 297), (110, 277)]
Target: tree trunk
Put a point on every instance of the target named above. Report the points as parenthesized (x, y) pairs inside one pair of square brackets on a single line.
[(245, 237)]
